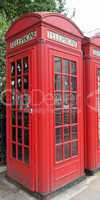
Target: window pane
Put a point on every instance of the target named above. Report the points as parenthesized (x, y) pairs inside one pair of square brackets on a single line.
[(13, 100), (58, 117), (74, 116), (57, 82), (66, 82), (58, 100), (19, 118), (74, 132), (73, 68), (14, 150), (19, 83), (26, 136), (19, 152), (13, 68), (66, 66), (19, 101), (26, 100), (19, 67), (25, 63), (26, 119), (98, 74), (14, 134), (26, 155), (57, 65), (59, 153), (74, 148), (26, 82), (74, 100), (66, 100), (74, 85), (58, 135), (13, 84), (19, 135), (66, 134), (67, 151), (13, 118), (66, 117)]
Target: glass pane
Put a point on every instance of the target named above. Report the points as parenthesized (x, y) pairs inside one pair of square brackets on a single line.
[(66, 134), (74, 148), (58, 135), (26, 82), (66, 82), (14, 134), (13, 84), (74, 85), (26, 119), (25, 63), (57, 82), (26, 155), (98, 74), (73, 68), (66, 66), (19, 83), (58, 117), (19, 135), (59, 153), (13, 68), (74, 132), (67, 151), (74, 116), (26, 100), (19, 101), (13, 100), (14, 150), (58, 100), (26, 136), (66, 100), (74, 100), (66, 117), (13, 118), (19, 118), (19, 67), (57, 65), (19, 152)]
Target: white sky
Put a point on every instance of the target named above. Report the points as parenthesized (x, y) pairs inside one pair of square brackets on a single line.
[(87, 14)]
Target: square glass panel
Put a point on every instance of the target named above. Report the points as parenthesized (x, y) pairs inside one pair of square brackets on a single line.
[(26, 137), (13, 68), (19, 135), (58, 100), (66, 134), (19, 101), (25, 64), (13, 100), (58, 117), (26, 119), (57, 82), (73, 68), (26, 82), (19, 67), (65, 66), (14, 134), (14, 150), (66, 117), (19, 152), (74, 100), (13, 118), (74, 83), (58, 135), (66, 82), (66, 100), (59, 155), (26, 100), (74, 132), (19, 83), (57, 65), (67, 151), (13, 84), (74, 116), (26, 155), (74, 148), (19, 118)]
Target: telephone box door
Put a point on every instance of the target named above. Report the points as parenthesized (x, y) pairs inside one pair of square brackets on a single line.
[(20, 138)]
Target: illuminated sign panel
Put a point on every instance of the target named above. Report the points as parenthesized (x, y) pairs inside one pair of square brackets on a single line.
[(96, 52)]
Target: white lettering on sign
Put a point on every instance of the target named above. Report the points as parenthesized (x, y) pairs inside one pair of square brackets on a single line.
[(62, 39), (96, 52), (23, 40)]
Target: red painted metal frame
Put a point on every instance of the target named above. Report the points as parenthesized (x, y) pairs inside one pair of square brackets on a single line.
[(45, 175), (91, 64)]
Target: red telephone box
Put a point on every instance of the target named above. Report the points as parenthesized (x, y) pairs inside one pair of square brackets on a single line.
[(91, 48), (44, 102)]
